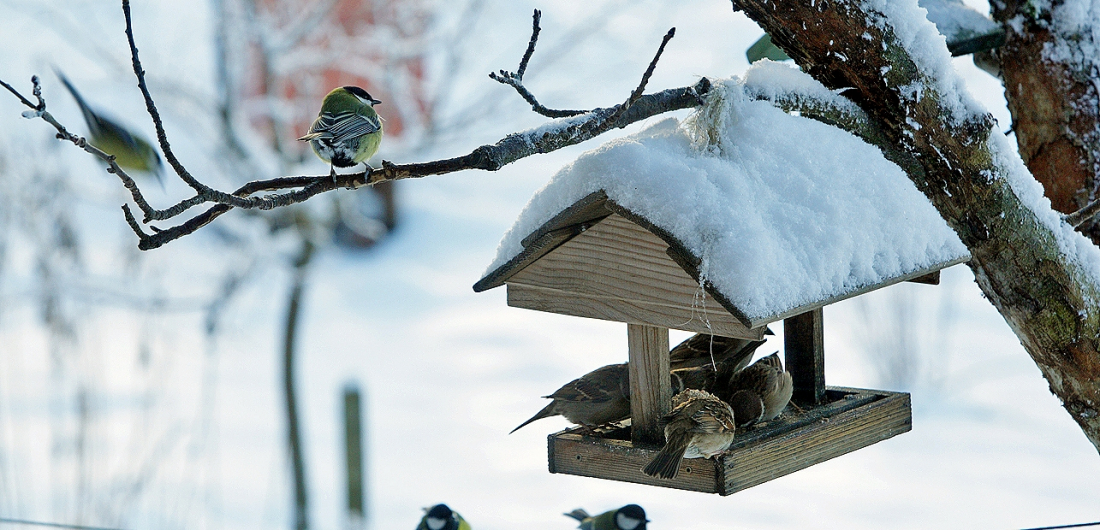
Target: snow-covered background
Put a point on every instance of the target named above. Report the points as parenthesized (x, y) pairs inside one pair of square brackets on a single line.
[(122, 413)]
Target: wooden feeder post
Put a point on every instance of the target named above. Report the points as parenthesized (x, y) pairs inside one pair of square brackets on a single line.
[(804, 351), (650, 382)]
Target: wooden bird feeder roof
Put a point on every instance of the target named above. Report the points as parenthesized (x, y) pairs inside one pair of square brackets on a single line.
[(599, 259)]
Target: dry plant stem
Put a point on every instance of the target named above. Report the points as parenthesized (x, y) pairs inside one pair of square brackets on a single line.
[(1046, 297)]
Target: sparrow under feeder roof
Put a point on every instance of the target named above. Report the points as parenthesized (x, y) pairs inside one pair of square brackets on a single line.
[(723, 227)]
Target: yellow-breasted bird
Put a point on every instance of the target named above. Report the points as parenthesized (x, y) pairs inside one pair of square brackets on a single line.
[(347, 131), (441, 517), (130, 150), (629, 517)]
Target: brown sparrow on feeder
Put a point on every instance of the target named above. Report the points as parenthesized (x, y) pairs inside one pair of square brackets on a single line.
[(767, 381), (699, 426), (596, 398)]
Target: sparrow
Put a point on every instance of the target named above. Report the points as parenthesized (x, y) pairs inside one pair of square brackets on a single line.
[(764, 380), (441, 517), (702, 349), (596, 398), (629, 517), (602, 396), (692, 363), (699, 426), (130, 150), (347, 130)]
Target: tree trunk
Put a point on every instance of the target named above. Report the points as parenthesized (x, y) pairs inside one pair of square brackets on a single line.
[(1053, 103), (1046, 296), (294, 436)]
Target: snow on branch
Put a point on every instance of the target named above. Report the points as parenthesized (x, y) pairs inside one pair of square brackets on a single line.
[(576, 127)]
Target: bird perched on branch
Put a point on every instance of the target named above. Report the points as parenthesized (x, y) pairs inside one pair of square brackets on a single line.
[(764, 382), (699, 426), (629, 517), (131, 151), (598, 397), (441, 517), (347, 131)]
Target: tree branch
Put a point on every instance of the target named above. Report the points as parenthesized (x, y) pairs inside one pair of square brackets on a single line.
[(515, 80), (577, 127)]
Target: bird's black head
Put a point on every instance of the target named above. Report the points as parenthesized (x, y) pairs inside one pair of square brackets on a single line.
[(630, 517), (361, 94), (440, 517)]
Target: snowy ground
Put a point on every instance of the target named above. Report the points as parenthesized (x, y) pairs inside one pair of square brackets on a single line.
[(182, 435)]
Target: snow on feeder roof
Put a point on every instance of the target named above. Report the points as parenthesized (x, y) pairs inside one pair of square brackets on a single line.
[(772, 214)]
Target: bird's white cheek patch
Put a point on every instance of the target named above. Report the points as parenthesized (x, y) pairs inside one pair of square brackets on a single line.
[(436, 524), (627, 523)]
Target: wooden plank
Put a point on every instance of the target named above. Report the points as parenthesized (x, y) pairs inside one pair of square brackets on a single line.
[(850, 420), (804, 352), (928, 279), (590, 208), (562, 227), (618, 259), (817, 442), (710, 320), (650, 383), (589, 456)]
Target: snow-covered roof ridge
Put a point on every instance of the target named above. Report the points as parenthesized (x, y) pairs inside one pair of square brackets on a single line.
[(777, 210)]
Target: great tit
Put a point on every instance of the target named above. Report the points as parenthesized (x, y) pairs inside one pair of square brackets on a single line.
[(347, 131), (699, 426), (629, 517), (130, 150), (440, 517)]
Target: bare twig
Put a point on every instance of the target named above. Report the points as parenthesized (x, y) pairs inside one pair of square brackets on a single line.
[(1083, 215), (614, 117), (25, 101), (515, 79), (581, 126)]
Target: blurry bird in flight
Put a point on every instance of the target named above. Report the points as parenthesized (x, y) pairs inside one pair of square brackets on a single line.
[(131, 151)]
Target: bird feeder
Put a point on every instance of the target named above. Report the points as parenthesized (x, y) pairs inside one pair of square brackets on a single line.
[(624, 253)]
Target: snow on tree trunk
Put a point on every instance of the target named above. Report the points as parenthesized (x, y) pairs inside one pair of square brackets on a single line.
[(1040, 275), (1051, 67)]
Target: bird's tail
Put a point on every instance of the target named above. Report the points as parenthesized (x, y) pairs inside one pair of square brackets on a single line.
[(546, 412), (89, 116), (667, 462), (578, 514), (314, 136)]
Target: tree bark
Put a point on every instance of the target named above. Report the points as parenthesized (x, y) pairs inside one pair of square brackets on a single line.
[(1046, 296), (1054, 113)]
